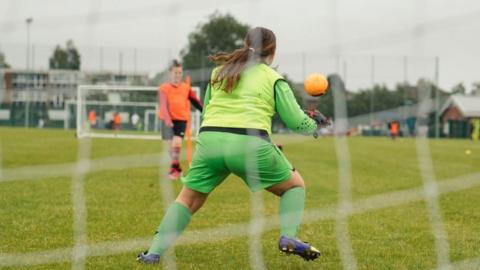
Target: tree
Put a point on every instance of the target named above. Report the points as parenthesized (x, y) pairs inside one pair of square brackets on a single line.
[(382, 97), (459, 89), (222, 33), (67, 58), (3, 63), (476, 88), (360, 102)]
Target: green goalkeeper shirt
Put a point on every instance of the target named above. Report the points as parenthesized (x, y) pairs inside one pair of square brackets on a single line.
[(259, 93)]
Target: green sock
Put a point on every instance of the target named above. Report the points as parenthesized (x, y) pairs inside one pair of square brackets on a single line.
[(173, 224), (291, 209)]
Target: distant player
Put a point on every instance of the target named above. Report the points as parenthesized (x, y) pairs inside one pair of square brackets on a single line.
[(475, 122), (92, 118), (394, 129), (135, 120), (175, 97), (117, 121), (242, 97)]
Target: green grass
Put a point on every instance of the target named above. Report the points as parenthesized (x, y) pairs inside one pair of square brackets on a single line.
[(126, 204)]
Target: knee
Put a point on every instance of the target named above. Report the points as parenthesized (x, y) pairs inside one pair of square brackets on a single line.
[(297, 180), (189, 204), (177, 141), (186, 204), (192, 203)]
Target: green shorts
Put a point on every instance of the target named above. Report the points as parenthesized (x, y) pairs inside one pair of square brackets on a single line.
[(255, 160)]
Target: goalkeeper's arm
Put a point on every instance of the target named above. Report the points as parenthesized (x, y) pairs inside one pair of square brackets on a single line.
[(290, 112), (194, 100)]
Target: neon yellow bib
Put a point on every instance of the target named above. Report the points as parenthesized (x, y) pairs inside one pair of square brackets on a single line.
[(251, 104)]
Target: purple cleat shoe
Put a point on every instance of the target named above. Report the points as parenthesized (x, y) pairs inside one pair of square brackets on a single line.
[(298, 247), (146, 258)]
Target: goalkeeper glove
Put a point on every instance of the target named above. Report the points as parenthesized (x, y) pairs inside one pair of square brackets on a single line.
[(319, 118)]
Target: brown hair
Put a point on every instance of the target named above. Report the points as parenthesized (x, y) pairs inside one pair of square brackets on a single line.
[(173, 64), (259, 43)]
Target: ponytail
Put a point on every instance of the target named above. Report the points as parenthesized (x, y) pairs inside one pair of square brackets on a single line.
[(232, 65), (259, 43)]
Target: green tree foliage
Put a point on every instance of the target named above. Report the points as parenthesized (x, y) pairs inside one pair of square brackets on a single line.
[(67, 58), (476, 88), (377, 99), (222, 33), (459, 89), (3, 62)]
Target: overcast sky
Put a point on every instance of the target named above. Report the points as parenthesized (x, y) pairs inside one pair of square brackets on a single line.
[(404, 36)]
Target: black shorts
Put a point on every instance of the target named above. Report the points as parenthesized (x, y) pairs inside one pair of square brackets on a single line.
[(178, 129)]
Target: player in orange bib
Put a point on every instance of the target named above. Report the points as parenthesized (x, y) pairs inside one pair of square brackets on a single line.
[(394, 128), (117, 121), (175, 97), (92, 118)]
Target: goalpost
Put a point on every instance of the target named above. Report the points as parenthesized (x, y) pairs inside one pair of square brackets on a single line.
[(124, 112)]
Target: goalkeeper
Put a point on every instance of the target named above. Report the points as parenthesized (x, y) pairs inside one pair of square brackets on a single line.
[(243, 95)]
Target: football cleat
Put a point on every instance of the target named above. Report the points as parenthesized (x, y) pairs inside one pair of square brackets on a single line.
[(298, 247), (146, 258)]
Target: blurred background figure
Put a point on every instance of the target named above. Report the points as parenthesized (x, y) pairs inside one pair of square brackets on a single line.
[(92, 118), (394, 128), (135, 120), (117, 120), (475, 129)]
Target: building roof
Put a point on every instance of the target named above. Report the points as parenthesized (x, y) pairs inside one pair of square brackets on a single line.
[(469, 106)]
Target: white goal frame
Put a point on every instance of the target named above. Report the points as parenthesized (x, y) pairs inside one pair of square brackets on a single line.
[(82, 132)]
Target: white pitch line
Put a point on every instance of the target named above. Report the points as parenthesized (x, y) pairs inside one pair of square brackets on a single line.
[(40, 172), (373, 203)]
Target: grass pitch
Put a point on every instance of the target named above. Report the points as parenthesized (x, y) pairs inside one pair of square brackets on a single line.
[(389, 229)]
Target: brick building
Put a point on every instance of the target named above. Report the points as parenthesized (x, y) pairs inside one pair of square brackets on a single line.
[(456, 114)]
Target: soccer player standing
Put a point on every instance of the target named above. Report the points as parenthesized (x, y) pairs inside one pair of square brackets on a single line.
[(394, 129), (241, 99), (92, 118), (175, 97)]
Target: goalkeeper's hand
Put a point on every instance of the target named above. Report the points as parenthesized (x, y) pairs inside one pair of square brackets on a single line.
[(319, 118)]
